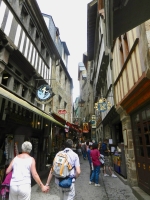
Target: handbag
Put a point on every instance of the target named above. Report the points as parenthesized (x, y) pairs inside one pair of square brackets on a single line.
[(102, 159), (4, 191), (65, 183)]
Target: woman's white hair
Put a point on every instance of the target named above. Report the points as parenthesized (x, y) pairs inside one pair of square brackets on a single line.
[(26, 147)]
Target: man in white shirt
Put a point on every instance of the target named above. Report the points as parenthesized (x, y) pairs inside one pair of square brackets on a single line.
[(68, 193)]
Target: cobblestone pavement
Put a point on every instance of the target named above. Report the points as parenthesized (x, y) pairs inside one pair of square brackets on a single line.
[(110, 189)]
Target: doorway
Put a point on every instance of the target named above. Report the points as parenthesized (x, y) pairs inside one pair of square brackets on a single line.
[(141, 136)]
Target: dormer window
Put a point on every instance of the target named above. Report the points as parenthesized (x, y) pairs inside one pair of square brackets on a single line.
[(32, 98), (47, 57), (24, 91), (16, 86), (57, 34), (5, 78), (23, 15), (31, 27), (37, 37), (42, 49)]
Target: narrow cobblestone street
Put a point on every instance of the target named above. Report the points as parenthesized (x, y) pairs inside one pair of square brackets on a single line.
[(110, 189)]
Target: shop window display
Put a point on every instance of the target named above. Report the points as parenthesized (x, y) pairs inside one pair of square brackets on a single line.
[(58, 138), (8, 151)]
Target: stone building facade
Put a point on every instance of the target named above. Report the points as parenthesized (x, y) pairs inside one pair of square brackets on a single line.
[(61, 81), (124, 81), (86, 94), (131, 79), (28, 57)]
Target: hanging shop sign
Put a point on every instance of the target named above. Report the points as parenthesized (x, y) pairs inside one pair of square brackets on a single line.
[(44, 94), (62, 111), (93, 122), (103, 105), (85, 128)]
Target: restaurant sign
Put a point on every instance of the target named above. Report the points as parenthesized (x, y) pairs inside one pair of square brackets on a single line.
[(44, 94), (62, 111)]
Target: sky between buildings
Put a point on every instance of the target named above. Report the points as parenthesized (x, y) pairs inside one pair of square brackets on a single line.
[(70, 16)]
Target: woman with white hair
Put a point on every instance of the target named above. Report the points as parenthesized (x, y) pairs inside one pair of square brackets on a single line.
[(22, 166)]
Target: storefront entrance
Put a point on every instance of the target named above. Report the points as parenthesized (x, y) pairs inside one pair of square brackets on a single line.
[(141, 135)]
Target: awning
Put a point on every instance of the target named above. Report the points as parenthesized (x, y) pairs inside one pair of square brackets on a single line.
[(63, 121), (25, 104), (73, 126), (58, 118)]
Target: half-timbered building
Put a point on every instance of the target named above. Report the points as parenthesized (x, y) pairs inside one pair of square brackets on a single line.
[(28, 57)]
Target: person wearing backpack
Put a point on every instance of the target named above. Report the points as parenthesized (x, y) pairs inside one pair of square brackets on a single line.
[(65, 169), (105, 151)]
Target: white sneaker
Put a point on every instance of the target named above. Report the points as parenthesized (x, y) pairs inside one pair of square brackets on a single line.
[(106, 175), (97, 185), (90, 183), (114, 176)]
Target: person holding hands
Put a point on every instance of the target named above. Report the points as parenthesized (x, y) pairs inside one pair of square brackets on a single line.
[(22, 166)]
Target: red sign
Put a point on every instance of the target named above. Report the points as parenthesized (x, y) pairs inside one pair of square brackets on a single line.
[(85, 128), (62, 111)]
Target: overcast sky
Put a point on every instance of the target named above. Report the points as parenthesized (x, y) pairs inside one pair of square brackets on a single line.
[(70, 16)]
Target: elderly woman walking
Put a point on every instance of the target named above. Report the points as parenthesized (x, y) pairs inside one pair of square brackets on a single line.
[(22, 166)]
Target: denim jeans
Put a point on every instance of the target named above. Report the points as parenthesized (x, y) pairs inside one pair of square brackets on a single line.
[(84, 154), (95, 174)]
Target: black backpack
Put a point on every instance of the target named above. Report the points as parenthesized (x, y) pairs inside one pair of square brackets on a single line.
[(104, 149)]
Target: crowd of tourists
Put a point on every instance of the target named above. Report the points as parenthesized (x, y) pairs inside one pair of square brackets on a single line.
[(65, 169), (98, 155)]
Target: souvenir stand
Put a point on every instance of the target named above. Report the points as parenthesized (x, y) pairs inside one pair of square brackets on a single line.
[(119, 162)]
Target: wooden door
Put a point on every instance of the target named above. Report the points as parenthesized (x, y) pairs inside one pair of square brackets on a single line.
[(141, 133)]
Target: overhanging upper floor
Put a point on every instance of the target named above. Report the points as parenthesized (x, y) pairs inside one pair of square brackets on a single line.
[(124, 15)]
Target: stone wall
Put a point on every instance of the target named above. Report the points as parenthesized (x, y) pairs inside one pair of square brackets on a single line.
[(129, 148), (61, 87)]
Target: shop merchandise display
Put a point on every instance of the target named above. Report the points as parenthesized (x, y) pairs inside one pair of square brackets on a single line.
[(4, 191), (9, 149)]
